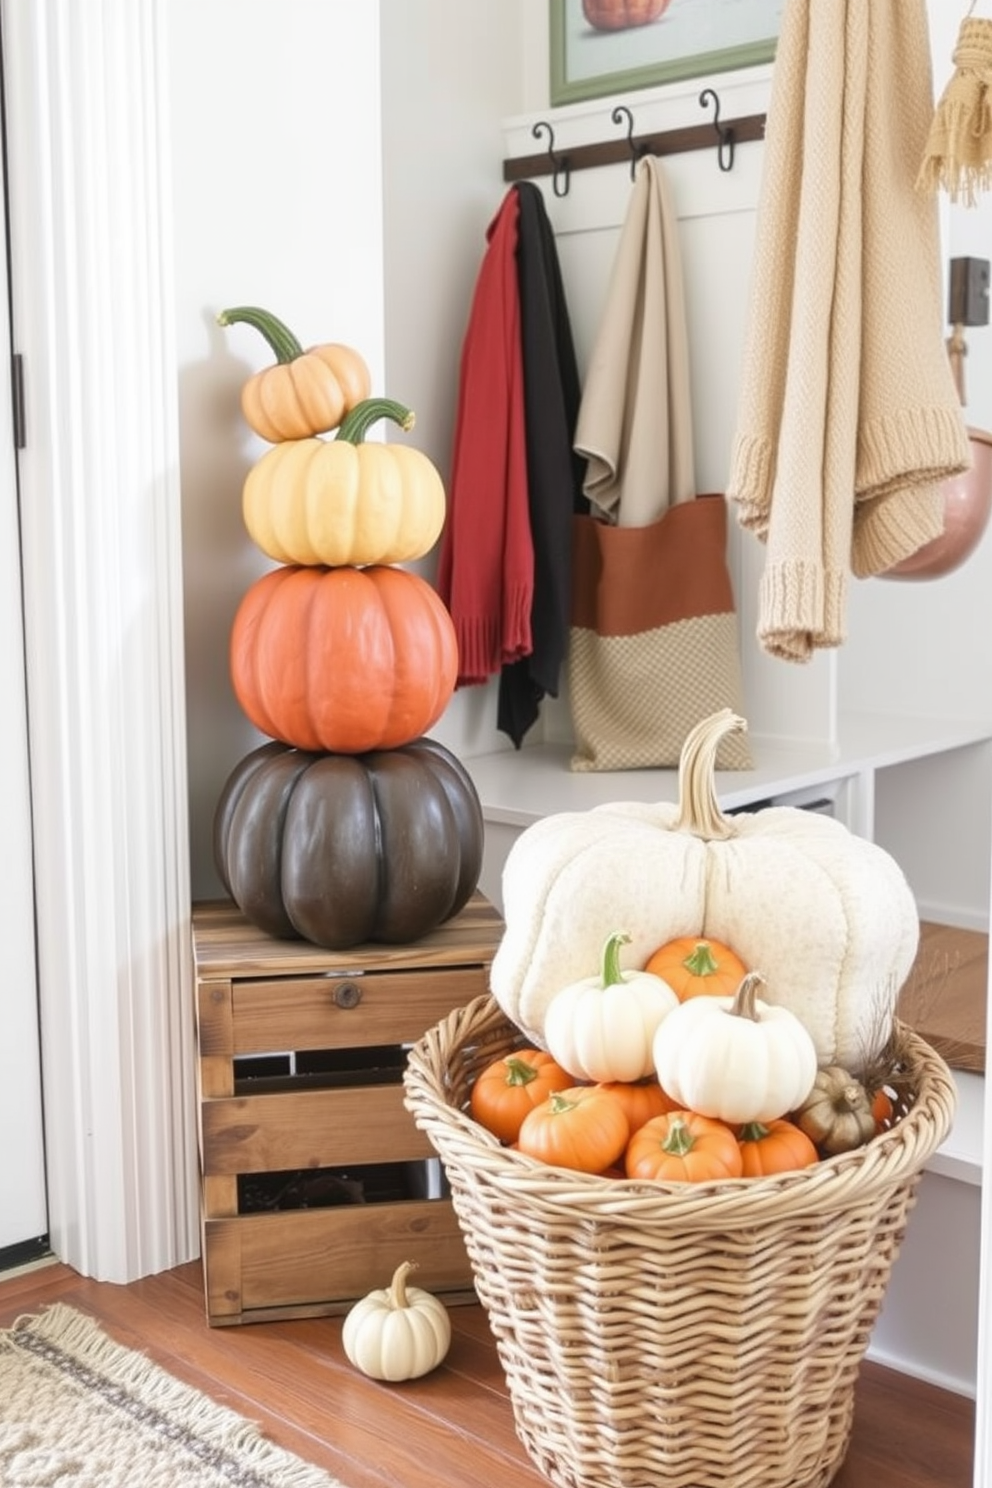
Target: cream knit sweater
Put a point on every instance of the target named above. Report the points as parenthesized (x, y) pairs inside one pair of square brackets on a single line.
[(848, 417)]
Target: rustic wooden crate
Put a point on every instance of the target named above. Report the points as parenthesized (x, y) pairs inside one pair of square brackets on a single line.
[(300, 1054)]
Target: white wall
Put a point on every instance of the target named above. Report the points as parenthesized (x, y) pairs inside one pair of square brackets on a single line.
[(442, 185), (278, 202)]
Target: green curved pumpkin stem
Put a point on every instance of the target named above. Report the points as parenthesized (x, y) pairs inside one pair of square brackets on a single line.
[(699, 809), (702, 962), (678, 1139), (743, 1003), (361, 418), (280, 338), (397, 1287), (611, 958), (753, 1131), (559, 1103), (518, 1071)]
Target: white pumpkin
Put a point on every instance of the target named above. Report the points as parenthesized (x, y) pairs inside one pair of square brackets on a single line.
[(736, 1059), (827, 916), (398, 1332), (602, 1028)]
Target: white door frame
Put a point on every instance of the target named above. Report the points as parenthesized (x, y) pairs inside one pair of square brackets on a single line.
[(23, 1214), (91, 235)]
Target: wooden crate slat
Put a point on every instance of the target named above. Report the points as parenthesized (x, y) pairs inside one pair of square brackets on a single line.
[(225, 945), (309, 1129), (326, 1259), (222, 1268), (391, 1008)]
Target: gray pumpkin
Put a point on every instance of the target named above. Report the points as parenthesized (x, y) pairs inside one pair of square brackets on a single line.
[(343, 849)]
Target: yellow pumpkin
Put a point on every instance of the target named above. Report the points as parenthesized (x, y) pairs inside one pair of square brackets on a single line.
[(337, 502), (827, 916)]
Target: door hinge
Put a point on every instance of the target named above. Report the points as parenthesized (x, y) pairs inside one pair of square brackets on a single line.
[(17, 397)]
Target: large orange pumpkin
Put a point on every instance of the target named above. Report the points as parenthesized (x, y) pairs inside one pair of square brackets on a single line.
[(343, 659)]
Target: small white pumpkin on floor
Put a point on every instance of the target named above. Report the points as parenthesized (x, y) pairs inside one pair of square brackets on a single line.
[(397, 1332)]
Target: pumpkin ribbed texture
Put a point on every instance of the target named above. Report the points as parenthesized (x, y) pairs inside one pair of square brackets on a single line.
[(342, 501), (343, 659), (342, 849), (307, 391)]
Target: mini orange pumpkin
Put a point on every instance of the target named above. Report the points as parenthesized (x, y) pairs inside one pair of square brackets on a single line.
[(582, 1127), (697, 966), (684, 1147), (511, 1087), (344, 660), (774, 1147), (641, 1100)]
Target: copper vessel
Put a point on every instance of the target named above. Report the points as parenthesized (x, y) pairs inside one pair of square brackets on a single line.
[(967, 504)]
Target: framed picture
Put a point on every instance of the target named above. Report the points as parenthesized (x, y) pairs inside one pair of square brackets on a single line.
[(593, 55)]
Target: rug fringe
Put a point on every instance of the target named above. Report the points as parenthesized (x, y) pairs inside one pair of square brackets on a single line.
[(81, 1337)]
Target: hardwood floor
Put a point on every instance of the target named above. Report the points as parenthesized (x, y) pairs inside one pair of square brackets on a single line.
[(453, 1429)]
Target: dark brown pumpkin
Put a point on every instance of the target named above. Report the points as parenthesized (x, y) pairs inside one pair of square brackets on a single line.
[(345, 849)]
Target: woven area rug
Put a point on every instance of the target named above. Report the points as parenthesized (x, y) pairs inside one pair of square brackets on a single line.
[(79, 1411)]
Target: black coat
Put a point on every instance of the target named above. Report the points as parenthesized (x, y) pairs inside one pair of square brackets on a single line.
[(554, 472)]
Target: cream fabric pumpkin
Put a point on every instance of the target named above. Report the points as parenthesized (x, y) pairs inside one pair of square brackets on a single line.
[(826, 916)]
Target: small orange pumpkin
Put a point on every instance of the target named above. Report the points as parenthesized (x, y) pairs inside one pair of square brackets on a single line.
[(511, 1087), (883, 1109), (697, 966), (641, 1100), (582, 1127), (344, 660), (684, 1147), (306, 392), (774, 1147)]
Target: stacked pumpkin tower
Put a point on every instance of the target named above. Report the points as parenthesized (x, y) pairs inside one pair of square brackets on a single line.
[(350, 825)]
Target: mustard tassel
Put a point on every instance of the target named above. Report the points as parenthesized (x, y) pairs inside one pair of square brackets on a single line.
[(958, 152)]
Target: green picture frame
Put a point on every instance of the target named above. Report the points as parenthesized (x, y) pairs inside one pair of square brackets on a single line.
[(586, 63)]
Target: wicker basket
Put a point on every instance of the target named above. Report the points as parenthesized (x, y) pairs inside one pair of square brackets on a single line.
[(675, 1336)]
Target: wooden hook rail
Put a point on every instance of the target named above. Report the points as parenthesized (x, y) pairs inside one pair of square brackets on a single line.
[(610, 152)]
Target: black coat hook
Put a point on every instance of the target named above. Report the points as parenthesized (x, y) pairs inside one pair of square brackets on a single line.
[(619, 113), (724, 134), (559, 164)]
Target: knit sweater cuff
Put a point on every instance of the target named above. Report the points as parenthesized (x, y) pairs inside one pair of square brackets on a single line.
[(890, 528), (752, 472), (801, 608), (911, 446)]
